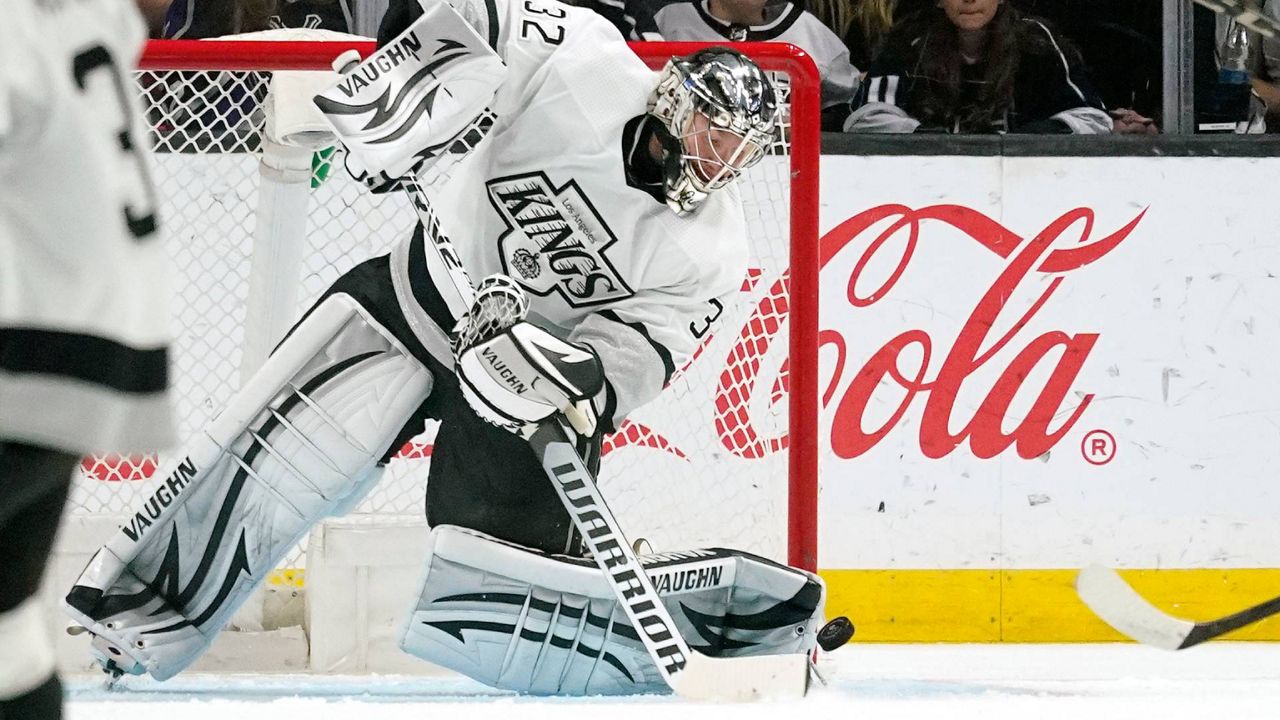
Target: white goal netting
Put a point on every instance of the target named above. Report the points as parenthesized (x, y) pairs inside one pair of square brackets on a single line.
[(706, 464)]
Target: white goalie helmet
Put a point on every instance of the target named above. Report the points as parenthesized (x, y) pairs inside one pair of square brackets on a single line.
[(723, 111)]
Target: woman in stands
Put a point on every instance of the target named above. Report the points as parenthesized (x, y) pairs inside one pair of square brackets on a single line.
[(864, 24), (977, 66)]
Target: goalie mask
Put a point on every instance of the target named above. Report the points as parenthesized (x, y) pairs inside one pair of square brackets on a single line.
[(721, 109)]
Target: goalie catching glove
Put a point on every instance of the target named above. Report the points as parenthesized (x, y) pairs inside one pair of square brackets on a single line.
[(513, 373)]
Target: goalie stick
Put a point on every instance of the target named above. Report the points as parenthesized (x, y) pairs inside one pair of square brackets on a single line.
[(1116, 602), (1246, 12), (690, 675)]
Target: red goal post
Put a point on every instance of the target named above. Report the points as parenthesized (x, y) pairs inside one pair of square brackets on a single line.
[(795, 307)]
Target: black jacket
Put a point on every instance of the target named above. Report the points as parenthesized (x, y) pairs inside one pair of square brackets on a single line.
[(1051, 91)]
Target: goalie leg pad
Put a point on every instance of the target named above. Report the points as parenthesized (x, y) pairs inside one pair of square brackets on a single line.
[(292, 446), (521, 620)]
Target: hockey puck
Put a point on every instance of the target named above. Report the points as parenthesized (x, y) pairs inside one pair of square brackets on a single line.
[(835, 633)]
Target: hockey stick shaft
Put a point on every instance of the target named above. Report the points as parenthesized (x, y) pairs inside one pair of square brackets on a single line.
[(1204, 631), (612, 552)]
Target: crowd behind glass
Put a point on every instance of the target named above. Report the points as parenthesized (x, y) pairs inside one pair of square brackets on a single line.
[(903, 66)]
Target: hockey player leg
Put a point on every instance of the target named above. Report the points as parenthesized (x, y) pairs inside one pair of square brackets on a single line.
[(29, 685), (290, 448), (33, 490), (522, 620)]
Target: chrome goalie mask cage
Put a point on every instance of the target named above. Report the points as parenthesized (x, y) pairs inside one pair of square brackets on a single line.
[(739, 118)]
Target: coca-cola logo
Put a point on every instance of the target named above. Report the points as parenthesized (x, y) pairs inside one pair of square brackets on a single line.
[(1064, 246), (913, 368)]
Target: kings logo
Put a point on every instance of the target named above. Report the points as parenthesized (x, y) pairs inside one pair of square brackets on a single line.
[(555, 240)]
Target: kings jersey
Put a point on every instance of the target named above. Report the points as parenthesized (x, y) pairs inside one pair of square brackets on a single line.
[(544, 199)]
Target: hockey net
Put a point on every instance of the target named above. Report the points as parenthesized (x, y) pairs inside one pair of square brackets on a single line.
[(725, 457)]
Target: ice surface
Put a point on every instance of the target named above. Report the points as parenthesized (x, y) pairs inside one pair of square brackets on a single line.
[(873, 682)]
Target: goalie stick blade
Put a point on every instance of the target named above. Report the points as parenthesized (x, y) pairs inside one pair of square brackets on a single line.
[(1113, 600), (743, 679)]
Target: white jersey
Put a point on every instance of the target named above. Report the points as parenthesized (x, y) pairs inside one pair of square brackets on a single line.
[(544, 199), (691, 20), (84, 318)]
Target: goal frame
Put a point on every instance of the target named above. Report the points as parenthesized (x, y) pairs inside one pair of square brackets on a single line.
[(805, 141)]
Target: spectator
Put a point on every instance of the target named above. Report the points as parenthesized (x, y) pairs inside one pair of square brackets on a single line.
[(633, 18), (194, 19), (1127, 121), (1121, 45), (153, 13), (977, 66), (864, 24), (762, 20), (190, 19)]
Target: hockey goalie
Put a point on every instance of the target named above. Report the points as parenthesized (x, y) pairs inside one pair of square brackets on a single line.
[(597, 200)]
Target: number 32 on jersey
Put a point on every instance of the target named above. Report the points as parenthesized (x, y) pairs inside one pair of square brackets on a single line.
[(541, 22)]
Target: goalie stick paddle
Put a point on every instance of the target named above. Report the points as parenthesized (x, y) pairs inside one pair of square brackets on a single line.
[(1116, 602)]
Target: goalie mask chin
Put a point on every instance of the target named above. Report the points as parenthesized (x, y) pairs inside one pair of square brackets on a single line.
[(721, 113)]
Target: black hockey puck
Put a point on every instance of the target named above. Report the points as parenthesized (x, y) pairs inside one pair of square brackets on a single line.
[(835, 633)]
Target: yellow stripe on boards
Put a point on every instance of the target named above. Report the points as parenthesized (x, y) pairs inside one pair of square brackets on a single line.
[(1030, 605), (917, 605), (1013, 605)]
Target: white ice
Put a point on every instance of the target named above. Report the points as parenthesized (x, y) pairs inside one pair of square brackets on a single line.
[(1238, 681)]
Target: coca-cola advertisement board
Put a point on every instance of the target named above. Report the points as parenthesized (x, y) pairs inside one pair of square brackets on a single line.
[(1043, 362)]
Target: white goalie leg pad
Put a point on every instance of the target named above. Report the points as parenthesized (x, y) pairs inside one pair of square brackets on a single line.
[(27, 660), (520, 620), (291, 447), (417, 91)]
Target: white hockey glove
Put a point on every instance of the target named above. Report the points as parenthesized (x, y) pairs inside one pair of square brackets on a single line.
[(401, 106), (513, 373)]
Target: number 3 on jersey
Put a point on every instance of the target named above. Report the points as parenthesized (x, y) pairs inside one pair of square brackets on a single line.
[(541, 19), (84, 67)]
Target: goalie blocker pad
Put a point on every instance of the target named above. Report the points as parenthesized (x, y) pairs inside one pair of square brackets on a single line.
[(297, 443), (517, 619), (426, 86)]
